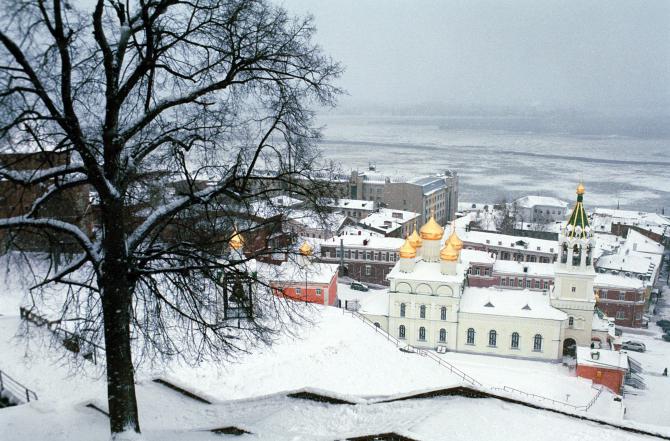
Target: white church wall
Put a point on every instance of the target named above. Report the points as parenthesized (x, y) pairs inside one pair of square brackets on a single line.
[(550, 330)]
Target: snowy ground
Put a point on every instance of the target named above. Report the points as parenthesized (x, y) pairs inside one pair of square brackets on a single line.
[(339, 354), (651, 405)]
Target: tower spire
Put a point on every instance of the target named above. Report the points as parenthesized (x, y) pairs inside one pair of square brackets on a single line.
[(578, 223)]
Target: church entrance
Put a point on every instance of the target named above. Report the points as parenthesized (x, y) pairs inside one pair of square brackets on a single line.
[(570, 347)]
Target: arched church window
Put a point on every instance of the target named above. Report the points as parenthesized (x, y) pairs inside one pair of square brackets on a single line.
[(493, 336), (564, 253), (471, 336), (443, 313), (537, 343), (422, 311), (576, 255), (515, 340), (589, 252), (422, 333), (402, 310), (443, 335), (571, 322), (401, 332)]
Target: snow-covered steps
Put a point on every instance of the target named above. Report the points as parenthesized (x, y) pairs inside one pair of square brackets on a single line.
[(181, 390)]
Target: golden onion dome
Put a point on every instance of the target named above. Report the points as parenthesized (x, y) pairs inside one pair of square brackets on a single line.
[(407, 251), (449, 253), (580, 189), (454, 240), (306, 249), (237, 241), (431, 230), (414, 239)]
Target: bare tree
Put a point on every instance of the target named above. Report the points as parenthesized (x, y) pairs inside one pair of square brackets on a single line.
[(138, 95)]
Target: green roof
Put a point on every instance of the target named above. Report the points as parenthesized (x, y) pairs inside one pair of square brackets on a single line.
[(579, 219)]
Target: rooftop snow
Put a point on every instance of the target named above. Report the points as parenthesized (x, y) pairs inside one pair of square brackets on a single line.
[(529, 268), (384, 243), (606, 359), (507, 241), (509, 302), (476, 256), (354, 204), (294, 272), (389, 219), (532, 201), (604, 280)]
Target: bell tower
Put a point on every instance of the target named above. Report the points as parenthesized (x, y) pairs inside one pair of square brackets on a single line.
[(574, 274)]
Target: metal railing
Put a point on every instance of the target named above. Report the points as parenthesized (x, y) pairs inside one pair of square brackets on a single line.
[(635, 381), (594, 399), (71, 341), (15, 389), (439, 360), (465, 377)]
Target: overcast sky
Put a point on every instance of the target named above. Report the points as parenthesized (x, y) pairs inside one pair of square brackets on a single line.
[(588, 55)]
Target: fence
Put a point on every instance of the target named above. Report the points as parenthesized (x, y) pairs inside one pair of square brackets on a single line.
[(453, 369), (465, 377), (70, 340), (16, 389), (541, 398)]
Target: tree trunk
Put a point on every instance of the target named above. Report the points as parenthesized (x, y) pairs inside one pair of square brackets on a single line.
[(117, 294), (120, 372)]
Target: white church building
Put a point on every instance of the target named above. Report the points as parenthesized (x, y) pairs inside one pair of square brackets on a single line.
[(431, 306)]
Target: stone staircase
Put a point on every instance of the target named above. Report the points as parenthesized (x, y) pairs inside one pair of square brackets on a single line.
[(12, 392)]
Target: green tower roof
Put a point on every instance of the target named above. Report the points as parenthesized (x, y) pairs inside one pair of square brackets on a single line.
[(578, 222)]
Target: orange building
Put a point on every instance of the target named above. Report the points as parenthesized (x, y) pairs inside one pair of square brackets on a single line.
[(603, 367), (306, 280)]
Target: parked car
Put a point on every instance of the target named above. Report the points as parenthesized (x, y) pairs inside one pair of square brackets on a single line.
[(634, 346), (663, 323), (358, 286)]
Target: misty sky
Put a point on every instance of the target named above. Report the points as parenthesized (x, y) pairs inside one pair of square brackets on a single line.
[(603, 56)]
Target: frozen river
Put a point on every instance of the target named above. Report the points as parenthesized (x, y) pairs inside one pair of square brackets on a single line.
[(497, 163)]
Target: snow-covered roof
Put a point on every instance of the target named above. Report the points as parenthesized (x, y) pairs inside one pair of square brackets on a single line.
[(476, 256), (510, 303), (308, 219), (529, 268), (533, 201), (636, 241), (274, 206), (605, 359), (548, 227), (305, 271), (604, 280), (603, 219), (359, 230), (632, 262), (605, 243), (603, 324), (507, 241), (371, 242), (429, 272), (388, 220), (352, 204)]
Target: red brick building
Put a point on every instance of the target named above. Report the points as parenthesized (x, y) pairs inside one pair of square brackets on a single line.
[(17, 199), (603, 367), (305, 280)]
